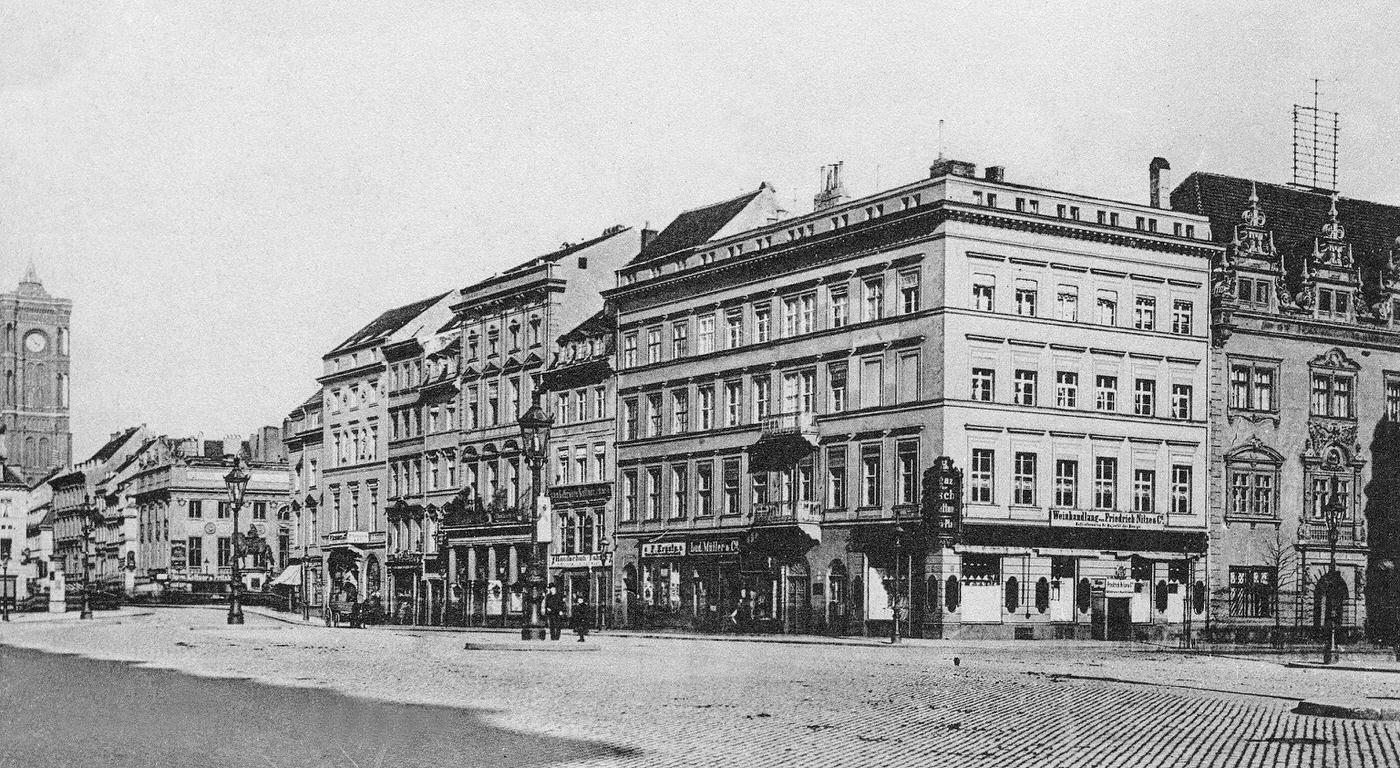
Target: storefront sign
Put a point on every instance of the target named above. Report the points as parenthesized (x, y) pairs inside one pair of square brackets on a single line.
[(714, 547), (1094, 518), (585, 492), (177, 554), (588, 560), (1119, 587), (494, 594), (664, 549)]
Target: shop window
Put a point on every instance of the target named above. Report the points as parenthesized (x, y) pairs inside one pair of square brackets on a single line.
[(981, 569), (1061, 567), (1159, 596), (1042, 595), (952, 596), (1083, 593), (1013, 594), (1252, 591)]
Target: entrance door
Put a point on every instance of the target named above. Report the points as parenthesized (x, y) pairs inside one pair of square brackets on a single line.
[(797, 600), (1120, 618)]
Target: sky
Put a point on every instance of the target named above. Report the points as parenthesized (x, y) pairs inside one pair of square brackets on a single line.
[(227, 190)]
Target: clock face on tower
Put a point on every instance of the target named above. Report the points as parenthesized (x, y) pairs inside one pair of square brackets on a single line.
[(36, 341)]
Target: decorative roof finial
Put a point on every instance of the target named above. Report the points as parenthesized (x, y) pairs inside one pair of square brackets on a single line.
[(1254, 215), (1333, 229), (31, 275)]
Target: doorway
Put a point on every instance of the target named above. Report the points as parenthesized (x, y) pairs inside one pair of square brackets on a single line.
[(1120, 618)]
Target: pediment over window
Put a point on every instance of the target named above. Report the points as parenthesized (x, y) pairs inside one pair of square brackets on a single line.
[(1335, 359), (1254, 452)]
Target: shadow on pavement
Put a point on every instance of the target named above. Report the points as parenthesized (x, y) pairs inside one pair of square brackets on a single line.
[(76, 712)]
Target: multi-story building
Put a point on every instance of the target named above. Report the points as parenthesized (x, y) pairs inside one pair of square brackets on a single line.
[(34, 372), (184, 537), (14, 508), (38, 564), (354, 466), (1304, 405), (302, 431), (579, 388), (506, 324), (80, 510), (784, 385)]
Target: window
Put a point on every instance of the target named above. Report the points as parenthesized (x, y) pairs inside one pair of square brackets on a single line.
[(705, 335), (798, 396), (983, 292), (870, 475), (980, 478), (1023, 479), (1067, 483), (1023, 392), (629, 496), (654, 407), (983, 384), (704, 489), (196, 508), (259, 510), (1334, 303), (1107, 308), (1067, 303), (907, 385), (1026, 295), (909, 291), (1105, 482), (680, 411), (1392, 399), (874, 299), (600, 461), (1106, 393), (225, 510), (1144, 490), (493, 403), (629, 419), (1181, 401), (1331, 395), (871, 382), (1145, 313), (1181, 317), (653, 345), (680, 339), (799, 314), (707, 407), (194, 552), (836, 378), (1144, 397), (1252, 591), (653, 508), (840, 307), (836, 477), (225, 551), (906, 454), (762, 324), (1181, 489), (733, 403), (680, 492), (1252, 386), (1066, 389), (561, 407), (762, 397), (731, 487), (734, 328)]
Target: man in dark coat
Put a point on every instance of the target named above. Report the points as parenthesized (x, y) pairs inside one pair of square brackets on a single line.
[(554, 612), (580, 618)]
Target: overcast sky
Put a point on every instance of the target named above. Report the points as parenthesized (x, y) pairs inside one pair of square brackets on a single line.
[(225, 190)]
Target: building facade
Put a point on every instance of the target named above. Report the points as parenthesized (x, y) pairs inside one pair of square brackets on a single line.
[(1304, 406), (784, 385), (80, 517), (14, 545), (34, 379), (302, 433)]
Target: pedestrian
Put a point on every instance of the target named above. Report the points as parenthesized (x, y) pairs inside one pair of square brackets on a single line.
[(554, 612), (580, 618)]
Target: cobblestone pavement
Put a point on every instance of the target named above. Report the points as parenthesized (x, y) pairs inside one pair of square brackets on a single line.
[(666, 702)]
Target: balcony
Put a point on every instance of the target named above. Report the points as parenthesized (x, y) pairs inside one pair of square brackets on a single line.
[(783, 440), (786, 526), (1314, 536), (787, 513), (802, 424)]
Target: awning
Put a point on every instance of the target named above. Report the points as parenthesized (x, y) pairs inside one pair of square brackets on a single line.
[(289, 575)]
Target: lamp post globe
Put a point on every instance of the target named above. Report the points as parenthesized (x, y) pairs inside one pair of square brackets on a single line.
[(237, 482), (534, 434)]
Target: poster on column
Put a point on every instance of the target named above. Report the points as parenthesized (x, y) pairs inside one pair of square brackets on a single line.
[(494, 595)]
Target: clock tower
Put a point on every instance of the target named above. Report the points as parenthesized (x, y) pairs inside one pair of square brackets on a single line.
[(34, 433)]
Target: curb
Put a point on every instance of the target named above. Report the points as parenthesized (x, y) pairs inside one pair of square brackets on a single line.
[(1341, 667), (1332, 709)]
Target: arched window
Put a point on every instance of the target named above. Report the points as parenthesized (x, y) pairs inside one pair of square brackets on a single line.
[(1013, 594)]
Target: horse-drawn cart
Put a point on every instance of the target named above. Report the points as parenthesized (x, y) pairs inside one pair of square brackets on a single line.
[(342, 611)]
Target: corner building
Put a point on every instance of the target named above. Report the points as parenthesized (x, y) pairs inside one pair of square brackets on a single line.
[(783, 384)]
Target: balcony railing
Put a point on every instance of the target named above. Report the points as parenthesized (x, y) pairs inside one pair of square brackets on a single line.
[(1315, 535), (800, 423), (787, 513)]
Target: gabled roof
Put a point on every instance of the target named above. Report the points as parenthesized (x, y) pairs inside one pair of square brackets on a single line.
[(10, 477), (386, 324), (1295, 216), (315, 399), (108, 450), (695, 226), (564, 251), (600, 324)]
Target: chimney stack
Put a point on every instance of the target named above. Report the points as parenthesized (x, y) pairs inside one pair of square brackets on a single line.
[(833, 191), (995, 173), (947, 167), (648, 234), (1158, 181)]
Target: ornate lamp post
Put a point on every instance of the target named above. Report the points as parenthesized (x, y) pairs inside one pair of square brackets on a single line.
[(308, 518), (1332, 513), (88, 521), (237, 482), (534, 431), (896, 593), (597, 601), (5, 585)]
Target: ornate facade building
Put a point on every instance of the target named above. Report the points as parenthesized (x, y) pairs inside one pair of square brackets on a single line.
[(1305, 405), (34, 356)]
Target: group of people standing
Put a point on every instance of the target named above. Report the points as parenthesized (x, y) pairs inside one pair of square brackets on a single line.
[(557, 611)]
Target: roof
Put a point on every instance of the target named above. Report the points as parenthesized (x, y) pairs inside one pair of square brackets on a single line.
[(109, 450), (564, 251), (386, 323), (600, 324), (1295, 216), (10, 477), (136, 454), (314, 400), (695, 226)]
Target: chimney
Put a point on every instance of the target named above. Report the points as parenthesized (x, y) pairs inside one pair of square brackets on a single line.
[(995, 173), (1158, 181), (648, 234), (833, 191), (942, 167)]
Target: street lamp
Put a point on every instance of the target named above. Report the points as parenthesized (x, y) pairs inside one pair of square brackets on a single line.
[(598, 600), (5, 585), (310, 515), (237, 482), (534, 433), (1332, 513), (896, 604), (88, 521)]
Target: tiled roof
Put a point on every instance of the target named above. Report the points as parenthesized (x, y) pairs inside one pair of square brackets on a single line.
[(1295, 217), (600, 324), (107, 451), (564, 251), (695, 226), (315, 399), (386, 323), (10, 477)]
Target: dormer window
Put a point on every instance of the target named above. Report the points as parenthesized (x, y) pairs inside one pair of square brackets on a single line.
[(1334, 303)]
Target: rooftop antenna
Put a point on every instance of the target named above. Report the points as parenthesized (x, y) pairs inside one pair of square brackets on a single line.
[(940, 138), (1315, 134)]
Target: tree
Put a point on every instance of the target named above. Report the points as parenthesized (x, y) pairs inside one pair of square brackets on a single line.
[(1282, 557)]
